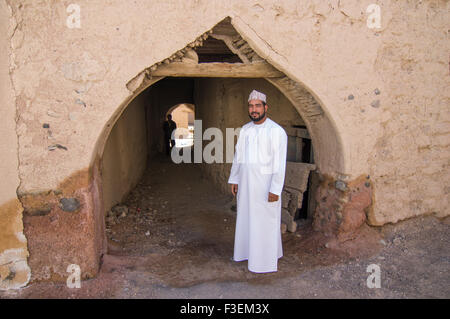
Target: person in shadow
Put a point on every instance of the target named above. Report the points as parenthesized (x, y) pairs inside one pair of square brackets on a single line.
[(169, 126)]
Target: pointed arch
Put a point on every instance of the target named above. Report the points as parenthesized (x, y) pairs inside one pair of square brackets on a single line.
[(259, 58)]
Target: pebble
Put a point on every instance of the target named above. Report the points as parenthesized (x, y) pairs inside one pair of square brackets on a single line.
[(78, 101), (53, 147), (53, 114), (341, 185), (375, 103), (69, 204), (147, 233), (73, 116)]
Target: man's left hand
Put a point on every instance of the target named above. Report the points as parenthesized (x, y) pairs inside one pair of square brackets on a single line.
[(273, 197)]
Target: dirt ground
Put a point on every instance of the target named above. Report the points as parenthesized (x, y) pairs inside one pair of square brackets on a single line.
[(173, 238)]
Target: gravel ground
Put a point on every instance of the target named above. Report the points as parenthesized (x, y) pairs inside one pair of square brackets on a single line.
[(173, 238)]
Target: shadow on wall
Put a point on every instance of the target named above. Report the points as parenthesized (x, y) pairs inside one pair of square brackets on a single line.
[(125, 156)]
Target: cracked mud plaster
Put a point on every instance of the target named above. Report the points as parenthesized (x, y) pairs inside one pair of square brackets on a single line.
[(14, 270), (413, 89)]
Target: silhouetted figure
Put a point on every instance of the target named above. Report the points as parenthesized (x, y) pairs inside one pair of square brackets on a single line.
[(169, 126)]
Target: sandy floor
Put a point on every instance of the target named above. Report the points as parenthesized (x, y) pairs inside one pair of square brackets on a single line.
[(176, 241)]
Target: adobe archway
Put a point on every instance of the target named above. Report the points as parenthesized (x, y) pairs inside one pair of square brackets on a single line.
[(336, 211), (252, 50)]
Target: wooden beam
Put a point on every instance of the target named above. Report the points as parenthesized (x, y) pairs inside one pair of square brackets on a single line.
[(218, 70)]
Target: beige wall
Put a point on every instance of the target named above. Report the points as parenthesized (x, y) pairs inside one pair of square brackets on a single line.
[(181, 115), (14, 271), (402, 142), (125, 156), (75, 80)]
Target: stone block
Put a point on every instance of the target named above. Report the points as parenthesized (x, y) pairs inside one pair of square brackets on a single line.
[(286, 217), (297, 175), (292, 227), (283, 228), (285, 198), (293, 204)]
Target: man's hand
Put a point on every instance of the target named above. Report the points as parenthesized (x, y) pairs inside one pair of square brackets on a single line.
[(273, 197), (234, 189)]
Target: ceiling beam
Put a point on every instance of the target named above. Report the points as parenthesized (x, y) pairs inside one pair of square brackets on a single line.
[(218, 70)]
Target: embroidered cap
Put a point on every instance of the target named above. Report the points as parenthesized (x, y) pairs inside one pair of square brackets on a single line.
[(255, 95)]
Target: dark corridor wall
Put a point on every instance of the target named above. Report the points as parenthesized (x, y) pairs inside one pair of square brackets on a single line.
[(125, 156)]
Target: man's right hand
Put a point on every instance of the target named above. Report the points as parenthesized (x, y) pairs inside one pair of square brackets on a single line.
[(234, 189)]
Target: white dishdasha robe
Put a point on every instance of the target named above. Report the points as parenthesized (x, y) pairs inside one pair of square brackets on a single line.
[(258, 168)]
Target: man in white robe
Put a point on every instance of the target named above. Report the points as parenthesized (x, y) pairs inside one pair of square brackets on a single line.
[(257, 178)]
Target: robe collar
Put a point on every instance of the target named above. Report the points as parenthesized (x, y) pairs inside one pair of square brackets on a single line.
[(264, 124)]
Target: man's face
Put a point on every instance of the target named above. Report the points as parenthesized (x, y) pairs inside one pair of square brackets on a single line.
[(256, 110)]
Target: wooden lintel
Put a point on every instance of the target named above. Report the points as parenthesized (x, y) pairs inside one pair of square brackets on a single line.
[(218, 70)]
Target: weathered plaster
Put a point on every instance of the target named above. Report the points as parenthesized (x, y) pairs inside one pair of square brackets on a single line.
[(383, 91), (60, 235), (14, 270)]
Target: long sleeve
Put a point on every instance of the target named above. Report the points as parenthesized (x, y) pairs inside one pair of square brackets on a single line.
[(279, 162), (235, 167)]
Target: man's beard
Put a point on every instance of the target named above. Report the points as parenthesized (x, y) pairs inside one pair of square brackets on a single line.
[(257, 119)]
